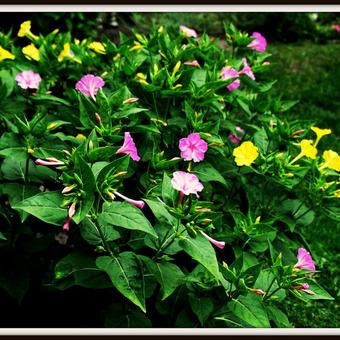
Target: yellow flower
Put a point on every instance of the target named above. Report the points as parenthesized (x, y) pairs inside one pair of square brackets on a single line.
[(176, 68), (80, 136), (4, 54), (332, 160), (117, 57), (245, 154), (137, 46), (320, 133), (31, 52), (25, 30), (67, 53), (97, 47), (307, 149)]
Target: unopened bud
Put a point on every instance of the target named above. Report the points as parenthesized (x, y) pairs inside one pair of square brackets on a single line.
[(90, 145), (30, 151), (98, 118), (176, 68), (130, 100), (297, 132), (111, 195), (258, 291), (120, 174)]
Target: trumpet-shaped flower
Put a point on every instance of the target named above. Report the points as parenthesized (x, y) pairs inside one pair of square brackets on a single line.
[(25, 30), (247, 70), (186, 183), (193, 147), (28, 80), (139, 204), (218, 244), (31, 52), (332, 160), (51, 161), (307, 149), (89, 85), (320, 133), (71, 212), (67, 53), (4, 54), (259, 43), (98, 47), (229, 72), (187, 32), (305, 260), (129, 147), (245, 154)]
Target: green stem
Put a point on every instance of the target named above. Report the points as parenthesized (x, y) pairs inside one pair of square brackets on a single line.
[(266, 297), (26, 180)]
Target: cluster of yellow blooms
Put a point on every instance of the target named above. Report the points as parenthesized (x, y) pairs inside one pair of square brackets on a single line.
[(247, 152)]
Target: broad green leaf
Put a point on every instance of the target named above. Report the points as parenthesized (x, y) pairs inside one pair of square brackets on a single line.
[(119, 317), (199, 77), (320, 293), (261, 140), (202, 307), (79, 269), (168, 275), (161, 212), (127, 113), (206, 173), (126, 274), (47, 206), (50, 98), (251, 310), (125, 215), (244, 106), (85, 173), (280, 319), (90, 233), (200, 249), (264, 281), (167, 190)]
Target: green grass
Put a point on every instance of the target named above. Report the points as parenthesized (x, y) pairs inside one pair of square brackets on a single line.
[(310, 73)]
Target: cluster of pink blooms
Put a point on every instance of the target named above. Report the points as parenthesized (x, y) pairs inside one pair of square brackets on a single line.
[(229, 72), (28, 80), (89, 85), (259, 43)]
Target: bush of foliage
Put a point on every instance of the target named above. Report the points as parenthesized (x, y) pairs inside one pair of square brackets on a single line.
[(164, 171)]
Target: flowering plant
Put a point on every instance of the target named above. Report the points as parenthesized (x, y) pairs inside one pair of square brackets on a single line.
[(170, 172)]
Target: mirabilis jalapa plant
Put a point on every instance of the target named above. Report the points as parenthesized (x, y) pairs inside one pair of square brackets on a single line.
[(166, 171)]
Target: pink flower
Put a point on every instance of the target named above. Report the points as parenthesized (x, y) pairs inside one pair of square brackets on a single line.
[(186, 183), (218, 244), (234, 138), (28, 80), (89, 85), (192, 63), (247, 70), (50, 162), (305, 260), (138, 204), (227, 73), (193, 147), (188, 32), (337, 27), (259, 43), (129, 147), (71, 212)]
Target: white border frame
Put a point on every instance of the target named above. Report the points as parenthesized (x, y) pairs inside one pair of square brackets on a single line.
[(169, 331)]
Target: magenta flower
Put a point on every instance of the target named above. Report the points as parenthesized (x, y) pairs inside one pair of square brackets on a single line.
[(218, 244), (192, 63), (89, 85), (337, 27), (186, 183), (259, 43), (193, 147), (50, 162), (305, 260), (129, 147), (247, 70), (227, 73), (71, 212), (28, 80), (188, 32), (138, 204), (234, 138)]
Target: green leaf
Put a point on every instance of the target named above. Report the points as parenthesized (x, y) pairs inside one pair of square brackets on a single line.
[(89, 232), (168, 275), (199, 77), (102, 153), (160, 211), (79, 269), (251, 310), (50, 98), (167, 189), (261, 140), (126, 274), (202, 307), (200, 249), (244, 106), (207, 173), (320, 293), (119, 317), (125, 215), (127, 113), (47, 206), (280, 319), (264, 281), (85, 173)]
